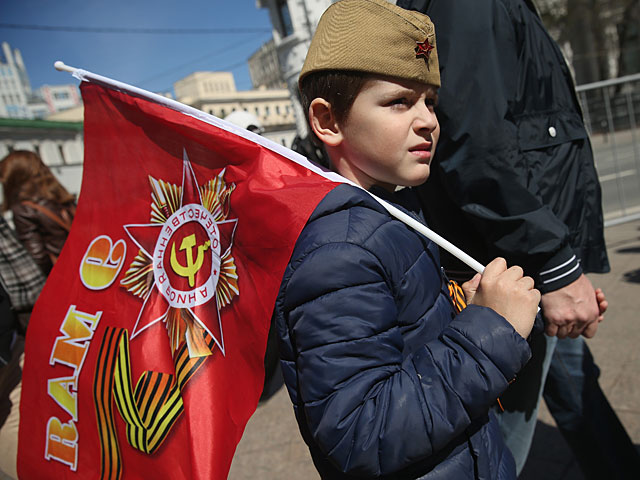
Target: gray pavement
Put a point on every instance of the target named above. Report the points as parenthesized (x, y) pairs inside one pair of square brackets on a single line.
[(272, 448)]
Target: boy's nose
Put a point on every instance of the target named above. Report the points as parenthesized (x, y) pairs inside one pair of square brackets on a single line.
[(426, 119)]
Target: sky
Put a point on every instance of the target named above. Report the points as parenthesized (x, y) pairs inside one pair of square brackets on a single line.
[(149, 61)]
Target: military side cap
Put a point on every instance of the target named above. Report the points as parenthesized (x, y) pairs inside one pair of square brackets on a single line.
[(374, 36)]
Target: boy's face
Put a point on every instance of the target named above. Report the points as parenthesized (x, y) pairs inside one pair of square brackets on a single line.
[(390, 134)]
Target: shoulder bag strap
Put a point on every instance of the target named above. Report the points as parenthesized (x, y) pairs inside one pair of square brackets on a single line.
[(45, 211)]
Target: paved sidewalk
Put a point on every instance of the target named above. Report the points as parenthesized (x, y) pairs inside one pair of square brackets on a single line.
[(272, 448), (616, 351)]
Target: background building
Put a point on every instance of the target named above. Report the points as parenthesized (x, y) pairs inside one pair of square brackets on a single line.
[(15, 89), (59, 97), (17, 100), (59, 144), (200, 85), (264, 67), (294, 22), (215, 93)]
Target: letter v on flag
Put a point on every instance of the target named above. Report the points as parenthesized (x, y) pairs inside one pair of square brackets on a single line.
[(145, 350)]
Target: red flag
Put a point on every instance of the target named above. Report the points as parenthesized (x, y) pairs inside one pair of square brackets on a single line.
[(144, 355)]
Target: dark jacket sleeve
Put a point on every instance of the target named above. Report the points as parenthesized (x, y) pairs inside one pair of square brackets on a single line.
[(29, 229), (372, 408), (480, 163)]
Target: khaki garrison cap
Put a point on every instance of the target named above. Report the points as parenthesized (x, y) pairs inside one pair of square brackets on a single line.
[(374, 36)]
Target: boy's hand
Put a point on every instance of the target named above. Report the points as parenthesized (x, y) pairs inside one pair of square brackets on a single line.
[(508, 292), (572, 310), (602, 303), (469, 288)]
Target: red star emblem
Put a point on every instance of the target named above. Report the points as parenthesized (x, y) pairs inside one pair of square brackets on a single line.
[(423, 50), (185, 252)]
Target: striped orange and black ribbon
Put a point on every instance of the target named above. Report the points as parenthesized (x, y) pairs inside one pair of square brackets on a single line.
[(149, 410), (457, 296)]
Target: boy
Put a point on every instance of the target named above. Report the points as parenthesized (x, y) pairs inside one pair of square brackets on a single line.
[(386, 380)]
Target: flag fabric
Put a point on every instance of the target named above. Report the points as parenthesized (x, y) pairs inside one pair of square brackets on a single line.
[(144, 353)]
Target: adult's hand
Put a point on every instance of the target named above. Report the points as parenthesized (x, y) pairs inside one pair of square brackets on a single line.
[(573, 310)]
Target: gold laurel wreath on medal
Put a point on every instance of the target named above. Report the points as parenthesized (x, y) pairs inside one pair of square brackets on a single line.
[(138, 280)]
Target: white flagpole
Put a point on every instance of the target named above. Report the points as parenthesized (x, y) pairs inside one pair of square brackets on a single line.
[(431, 235), (86, 76)]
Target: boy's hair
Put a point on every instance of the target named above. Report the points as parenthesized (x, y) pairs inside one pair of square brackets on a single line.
[(338, 87)]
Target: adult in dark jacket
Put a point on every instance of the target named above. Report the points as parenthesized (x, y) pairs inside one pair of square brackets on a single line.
[(515, 166), (375, 359), (42, 208)]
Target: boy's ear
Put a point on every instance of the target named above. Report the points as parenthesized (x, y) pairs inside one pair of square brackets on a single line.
[(323, 122)]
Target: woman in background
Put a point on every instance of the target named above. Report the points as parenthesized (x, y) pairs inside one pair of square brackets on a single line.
[(42, 208)]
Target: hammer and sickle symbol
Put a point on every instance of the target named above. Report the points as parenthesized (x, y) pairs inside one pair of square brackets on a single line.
[(192, 266)]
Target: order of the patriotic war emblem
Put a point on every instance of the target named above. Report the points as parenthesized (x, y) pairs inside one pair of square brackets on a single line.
[(187, 246), (184, 273)]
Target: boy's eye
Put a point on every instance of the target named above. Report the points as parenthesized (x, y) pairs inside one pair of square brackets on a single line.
[(399, 101), (431, 101)]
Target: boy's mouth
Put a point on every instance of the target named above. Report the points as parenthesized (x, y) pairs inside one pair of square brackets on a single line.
[(422, 146), (422, 149)]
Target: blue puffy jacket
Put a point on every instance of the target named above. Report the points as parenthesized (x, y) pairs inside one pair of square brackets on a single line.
[(385, 379)]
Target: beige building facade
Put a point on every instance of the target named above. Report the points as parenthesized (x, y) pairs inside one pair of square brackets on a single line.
[(204, 84), (215, 93)]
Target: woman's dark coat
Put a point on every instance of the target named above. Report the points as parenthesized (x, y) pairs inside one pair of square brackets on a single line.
[(42, 236)]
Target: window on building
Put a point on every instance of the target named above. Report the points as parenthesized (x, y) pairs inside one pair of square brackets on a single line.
[(267, 110), (222, 112), (61, 95), (257, 110), (286, 27), (277, 109)]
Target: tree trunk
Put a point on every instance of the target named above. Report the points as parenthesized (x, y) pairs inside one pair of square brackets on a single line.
[(586, 41)]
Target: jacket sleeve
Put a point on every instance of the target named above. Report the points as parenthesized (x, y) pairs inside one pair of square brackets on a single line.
[(28, 229), (481, 166), (370, 407)]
